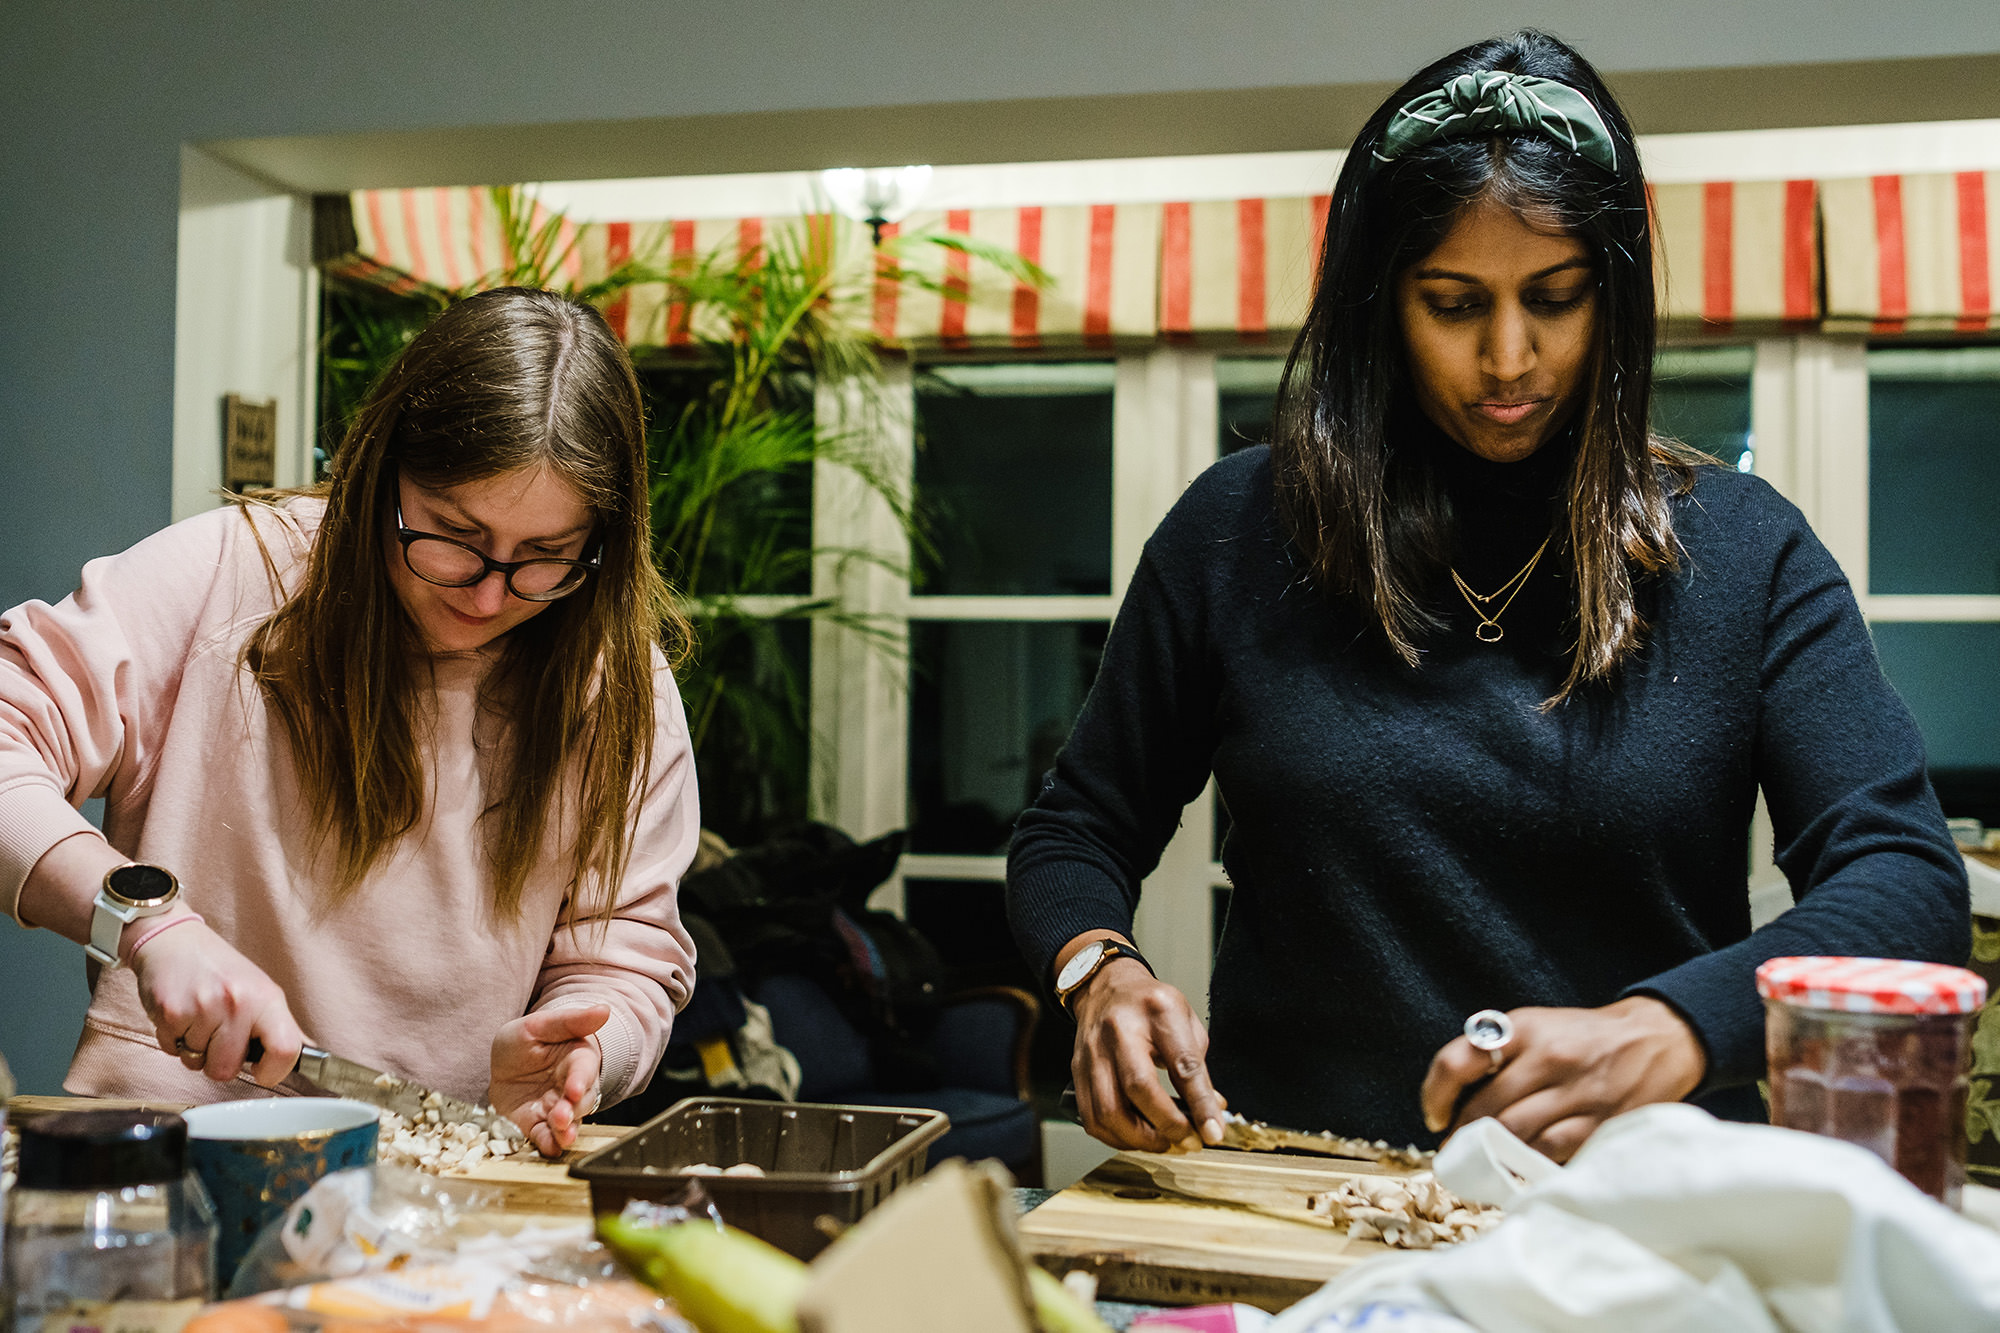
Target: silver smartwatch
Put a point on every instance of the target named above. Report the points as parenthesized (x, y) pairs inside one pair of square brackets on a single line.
[(129, 892)]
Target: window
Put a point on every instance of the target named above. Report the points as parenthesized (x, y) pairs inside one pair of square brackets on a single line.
[(1701, 396), (1934, 556), (1014, 478), (1934, 471), (1246, 391), (991, 702)]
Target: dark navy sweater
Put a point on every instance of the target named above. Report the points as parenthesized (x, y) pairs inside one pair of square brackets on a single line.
[(1409, 845)]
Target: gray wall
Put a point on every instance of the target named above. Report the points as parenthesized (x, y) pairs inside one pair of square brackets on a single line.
[(96, 99)]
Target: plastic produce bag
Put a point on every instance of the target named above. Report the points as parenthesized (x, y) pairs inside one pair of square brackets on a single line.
[(1670, 1221), (384, 1249), (377, 1217)]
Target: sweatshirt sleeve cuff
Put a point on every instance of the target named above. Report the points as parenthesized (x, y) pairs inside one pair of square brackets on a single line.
[(33, 818), (1052, 903)]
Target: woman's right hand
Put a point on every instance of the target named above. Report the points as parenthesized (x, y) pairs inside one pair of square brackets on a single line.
[(1129, 1024), (207, 1001)]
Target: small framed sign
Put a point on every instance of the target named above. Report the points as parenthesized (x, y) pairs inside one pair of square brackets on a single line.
[(249, 443)]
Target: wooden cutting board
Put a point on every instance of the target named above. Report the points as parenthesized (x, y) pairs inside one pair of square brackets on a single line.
[(535, 1184), (1210, 1226), (530, 1184)]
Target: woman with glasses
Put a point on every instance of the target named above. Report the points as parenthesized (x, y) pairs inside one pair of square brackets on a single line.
[(1489, 678), (395, 765)]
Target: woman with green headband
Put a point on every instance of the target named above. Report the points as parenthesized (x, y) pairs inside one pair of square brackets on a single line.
[(1489, 678)]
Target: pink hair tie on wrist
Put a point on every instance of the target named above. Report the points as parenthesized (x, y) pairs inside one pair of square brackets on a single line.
[(161, 929)]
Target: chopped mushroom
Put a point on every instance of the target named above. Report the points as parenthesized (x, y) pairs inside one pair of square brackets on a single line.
[(429, 1145), (1409, 1212)]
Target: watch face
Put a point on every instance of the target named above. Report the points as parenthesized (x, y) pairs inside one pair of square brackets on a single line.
[(142, 885), (1080, 964)]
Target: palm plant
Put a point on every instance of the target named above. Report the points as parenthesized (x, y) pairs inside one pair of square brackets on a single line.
[(734, 438)]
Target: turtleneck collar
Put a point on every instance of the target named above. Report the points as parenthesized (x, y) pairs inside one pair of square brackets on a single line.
[(1477, 482), (1501, 514)]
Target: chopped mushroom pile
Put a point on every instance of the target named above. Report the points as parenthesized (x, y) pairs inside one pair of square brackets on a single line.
[(1408, 1212), (430, 1145)]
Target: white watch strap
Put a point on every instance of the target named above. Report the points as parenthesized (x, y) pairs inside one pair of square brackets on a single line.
[(107, 927)]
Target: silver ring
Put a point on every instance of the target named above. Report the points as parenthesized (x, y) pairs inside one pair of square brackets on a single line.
[(1489, 1030)]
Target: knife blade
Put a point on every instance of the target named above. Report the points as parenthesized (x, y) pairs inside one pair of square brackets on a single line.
[(412, 1101), (1256, 1136)]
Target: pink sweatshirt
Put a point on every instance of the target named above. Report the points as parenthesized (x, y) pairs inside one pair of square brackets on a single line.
[(130, 689)]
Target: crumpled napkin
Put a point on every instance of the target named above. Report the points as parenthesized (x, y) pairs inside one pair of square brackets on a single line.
[(1671, 1221)]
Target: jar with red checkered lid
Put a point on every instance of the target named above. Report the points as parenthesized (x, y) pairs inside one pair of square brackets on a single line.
[(1874, 1051)]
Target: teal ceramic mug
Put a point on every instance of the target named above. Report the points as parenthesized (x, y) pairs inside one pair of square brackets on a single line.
[(256, 1156)]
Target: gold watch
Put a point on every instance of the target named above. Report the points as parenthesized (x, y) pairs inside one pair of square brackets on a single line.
[(1086, 962)]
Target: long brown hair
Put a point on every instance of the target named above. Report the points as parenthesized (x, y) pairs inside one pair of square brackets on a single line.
[(1370, 519), (507, 379)]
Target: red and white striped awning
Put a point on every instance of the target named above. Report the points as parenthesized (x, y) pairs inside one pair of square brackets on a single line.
[(1889, 252), (1733, 253), (1101, 259), (642, 314), (445, 239), (1239, 270), (1912, 253)]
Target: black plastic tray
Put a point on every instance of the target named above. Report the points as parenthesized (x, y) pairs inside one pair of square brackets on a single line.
[(818, 1160)]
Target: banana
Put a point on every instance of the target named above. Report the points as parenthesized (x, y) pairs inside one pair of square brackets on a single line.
[(728, 1281), (722, 1279), (1057, 1309)]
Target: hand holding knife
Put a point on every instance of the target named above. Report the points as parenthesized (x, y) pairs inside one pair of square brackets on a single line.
[(411, 1101)]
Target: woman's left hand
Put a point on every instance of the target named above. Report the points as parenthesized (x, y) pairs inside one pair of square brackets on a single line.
[(545, 1069), (1567, 1071)]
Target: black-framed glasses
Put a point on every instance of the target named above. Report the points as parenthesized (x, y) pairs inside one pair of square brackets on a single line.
[(450, 563)]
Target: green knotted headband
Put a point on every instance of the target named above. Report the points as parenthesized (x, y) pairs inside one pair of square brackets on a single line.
[(1495, 102)]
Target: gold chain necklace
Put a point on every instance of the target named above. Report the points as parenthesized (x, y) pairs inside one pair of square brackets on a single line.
[(1509, 590)]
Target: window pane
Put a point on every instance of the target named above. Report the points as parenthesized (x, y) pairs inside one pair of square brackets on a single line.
[(990, 704), (1701, 396), (1933, 470), (1946, 674), (1246, 389), (1014, 478)]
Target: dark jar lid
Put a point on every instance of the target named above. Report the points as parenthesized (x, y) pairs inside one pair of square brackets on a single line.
[(101, 1150)]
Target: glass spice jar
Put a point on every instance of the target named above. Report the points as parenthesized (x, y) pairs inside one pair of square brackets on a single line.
[(106, 1226), (1875, 1051)]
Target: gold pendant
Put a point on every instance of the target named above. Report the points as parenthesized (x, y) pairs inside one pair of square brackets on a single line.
[(1480, 633)]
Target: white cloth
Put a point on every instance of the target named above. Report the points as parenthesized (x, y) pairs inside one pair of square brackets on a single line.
[(1670, 1221)]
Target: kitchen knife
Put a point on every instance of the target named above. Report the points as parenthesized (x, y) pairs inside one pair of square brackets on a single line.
[(348, 1078), (1256, 1136)]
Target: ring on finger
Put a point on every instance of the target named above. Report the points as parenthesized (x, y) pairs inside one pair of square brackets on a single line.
[(1489, 1029)]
